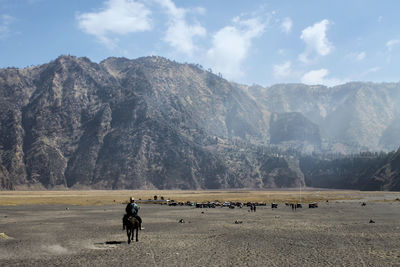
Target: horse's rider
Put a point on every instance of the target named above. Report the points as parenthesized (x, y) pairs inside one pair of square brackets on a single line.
[(132, 209)]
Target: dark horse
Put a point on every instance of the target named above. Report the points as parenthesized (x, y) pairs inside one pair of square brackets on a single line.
[(131, 224)]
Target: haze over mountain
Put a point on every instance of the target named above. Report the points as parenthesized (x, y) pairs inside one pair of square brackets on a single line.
[(155, 123), (352, 116)]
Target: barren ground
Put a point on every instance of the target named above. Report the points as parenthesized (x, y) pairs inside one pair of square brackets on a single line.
[(337, 233)]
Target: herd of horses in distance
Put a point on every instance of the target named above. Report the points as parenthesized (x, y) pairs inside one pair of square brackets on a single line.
[(132, 224)]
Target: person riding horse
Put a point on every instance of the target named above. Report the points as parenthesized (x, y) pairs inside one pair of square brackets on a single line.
[(132, 209)]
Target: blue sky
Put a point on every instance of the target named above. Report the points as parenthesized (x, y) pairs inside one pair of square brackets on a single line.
[(250, 42)]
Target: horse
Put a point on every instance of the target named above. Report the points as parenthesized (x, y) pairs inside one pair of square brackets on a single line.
[(131, 224)]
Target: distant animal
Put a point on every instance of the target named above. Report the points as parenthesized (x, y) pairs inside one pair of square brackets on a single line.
[(371, 221), (364, 204), (181, 221), (274, 205), (131, 224)]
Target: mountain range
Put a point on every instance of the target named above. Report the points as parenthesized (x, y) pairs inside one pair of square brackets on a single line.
[(154, 123)]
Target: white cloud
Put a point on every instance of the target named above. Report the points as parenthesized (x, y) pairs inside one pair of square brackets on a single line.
[(315, 76), (286, 73), (5, 21), (316, 41), (282, 52), (286, 25), (392, 43), (231, 45), (180, 34), (200, 10), (320, 77), (119, 17), (369, 71), (356, 56), (361, 56), (283, 70)]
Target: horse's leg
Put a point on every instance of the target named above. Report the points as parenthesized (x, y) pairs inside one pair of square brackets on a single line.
[(137, 232), (128, 233)]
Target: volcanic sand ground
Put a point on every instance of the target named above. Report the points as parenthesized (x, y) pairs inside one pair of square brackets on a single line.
[(336, 233)]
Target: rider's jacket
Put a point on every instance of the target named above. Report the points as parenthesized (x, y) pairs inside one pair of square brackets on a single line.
[(132, 209)]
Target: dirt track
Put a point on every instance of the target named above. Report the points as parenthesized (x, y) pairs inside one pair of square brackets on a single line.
[(336, 233)]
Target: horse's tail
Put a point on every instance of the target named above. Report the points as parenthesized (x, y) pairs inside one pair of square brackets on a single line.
[(125, 220)]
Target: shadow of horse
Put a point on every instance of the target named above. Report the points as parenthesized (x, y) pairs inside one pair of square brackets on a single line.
[(131, 224)]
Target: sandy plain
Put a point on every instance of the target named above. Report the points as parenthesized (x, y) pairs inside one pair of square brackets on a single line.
[(84, 228)]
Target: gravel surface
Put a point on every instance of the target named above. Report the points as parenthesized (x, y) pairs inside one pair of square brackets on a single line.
[(336, 233)]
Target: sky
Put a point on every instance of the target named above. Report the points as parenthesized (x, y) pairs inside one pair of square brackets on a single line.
[(259, 42)]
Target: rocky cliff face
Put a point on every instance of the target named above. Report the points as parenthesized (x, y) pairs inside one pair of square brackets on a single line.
[(154, 123), (145, 123), (293, 127)]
